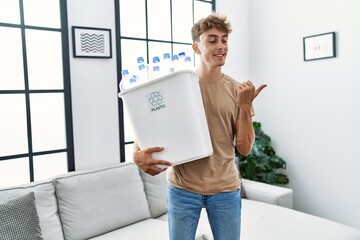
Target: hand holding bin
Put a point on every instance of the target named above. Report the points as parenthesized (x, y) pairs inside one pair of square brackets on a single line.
[(169, 112)]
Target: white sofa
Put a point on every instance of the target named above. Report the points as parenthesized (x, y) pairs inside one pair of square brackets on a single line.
[(122, 203)]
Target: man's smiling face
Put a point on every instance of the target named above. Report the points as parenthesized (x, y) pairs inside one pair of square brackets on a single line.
[(213, 47)]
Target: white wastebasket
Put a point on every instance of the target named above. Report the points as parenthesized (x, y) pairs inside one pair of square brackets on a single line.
[(169, 112)]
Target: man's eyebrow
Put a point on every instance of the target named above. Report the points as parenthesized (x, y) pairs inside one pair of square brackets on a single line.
[(216, 36)]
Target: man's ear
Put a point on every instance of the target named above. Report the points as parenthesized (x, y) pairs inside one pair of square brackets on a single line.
[(195, 47)]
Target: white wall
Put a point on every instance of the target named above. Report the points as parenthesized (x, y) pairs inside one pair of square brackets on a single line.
[(94, 90), (311, 109), (237, 62)]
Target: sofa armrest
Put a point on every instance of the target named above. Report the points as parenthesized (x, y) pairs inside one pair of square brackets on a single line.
[(267, 193)]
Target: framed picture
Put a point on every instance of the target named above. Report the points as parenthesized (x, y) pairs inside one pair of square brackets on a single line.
[(91, 42), (319, 46)]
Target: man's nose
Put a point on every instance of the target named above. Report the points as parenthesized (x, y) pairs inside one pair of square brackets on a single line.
[(220, 45)]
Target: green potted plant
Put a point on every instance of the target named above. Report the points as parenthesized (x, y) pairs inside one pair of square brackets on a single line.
[(262, 164)]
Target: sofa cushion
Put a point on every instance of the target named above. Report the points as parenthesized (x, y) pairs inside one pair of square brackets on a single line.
[(267, 221), (268, 193), (19, 219), (147, 229), (46, 206), (95, 202), (261, 221), (156, 193)]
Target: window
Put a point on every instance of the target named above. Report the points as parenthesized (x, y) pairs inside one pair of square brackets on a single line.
[(151, 28), (35, 109)]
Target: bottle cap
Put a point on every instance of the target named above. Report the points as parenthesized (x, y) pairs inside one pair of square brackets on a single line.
[(156, 59), (133, 79), (141, 66), (181, 54), (140, 60), (125, 72), (174, 57), (166, 56), (187, 59)]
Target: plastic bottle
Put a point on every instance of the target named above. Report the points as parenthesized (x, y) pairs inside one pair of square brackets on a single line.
[(181, 62), (142, 70), (133, 80), (166, 64), (174, 63), (155, 68), (188, 65), (127, 81), (124, 79), (182, 56)]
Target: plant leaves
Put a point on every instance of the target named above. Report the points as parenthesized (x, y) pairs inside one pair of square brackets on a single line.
[(262, 163)]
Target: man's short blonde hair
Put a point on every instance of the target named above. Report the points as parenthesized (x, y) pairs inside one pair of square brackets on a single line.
[(214, 20)]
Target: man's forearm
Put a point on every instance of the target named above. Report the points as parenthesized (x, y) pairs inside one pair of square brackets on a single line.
[(245, 135)]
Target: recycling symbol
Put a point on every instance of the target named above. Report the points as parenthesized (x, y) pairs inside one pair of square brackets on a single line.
[(155, 98)]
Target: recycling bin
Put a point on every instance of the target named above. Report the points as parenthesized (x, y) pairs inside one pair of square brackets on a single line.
[(169, 112)]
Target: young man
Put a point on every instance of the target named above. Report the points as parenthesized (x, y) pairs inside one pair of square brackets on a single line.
[(211, 182)]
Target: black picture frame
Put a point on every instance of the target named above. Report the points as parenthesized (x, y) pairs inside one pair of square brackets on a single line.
[(319, 46), (90, 42)]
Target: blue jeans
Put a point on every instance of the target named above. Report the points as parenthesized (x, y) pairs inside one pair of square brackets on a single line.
[(223, 210)]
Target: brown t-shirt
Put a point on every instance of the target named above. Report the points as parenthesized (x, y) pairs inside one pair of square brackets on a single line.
[(218, 172)]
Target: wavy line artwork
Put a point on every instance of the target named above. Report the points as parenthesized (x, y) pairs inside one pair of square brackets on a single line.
[(92, 43)]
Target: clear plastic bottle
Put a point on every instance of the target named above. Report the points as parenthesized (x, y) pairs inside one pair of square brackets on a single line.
[(127, 81), (188, 65), (124, 79), (174, 63), (142, 70), (155, 68), (133, 80), (181, 62), (166, 64), (182, 56)]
